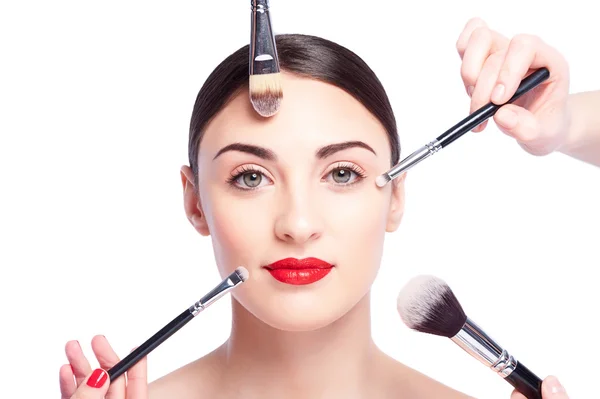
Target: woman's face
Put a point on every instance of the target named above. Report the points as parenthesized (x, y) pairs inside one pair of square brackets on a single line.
[(299, 185)]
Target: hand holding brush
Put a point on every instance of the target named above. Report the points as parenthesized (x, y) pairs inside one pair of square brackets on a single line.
[(427, 304), (523, 83), (79, 381)]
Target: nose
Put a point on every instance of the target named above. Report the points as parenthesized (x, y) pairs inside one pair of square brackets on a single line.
[(298, 220)]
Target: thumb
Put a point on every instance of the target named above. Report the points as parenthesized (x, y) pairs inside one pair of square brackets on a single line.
[(552, 389), (94, 386), (525, 127), (517, 395)]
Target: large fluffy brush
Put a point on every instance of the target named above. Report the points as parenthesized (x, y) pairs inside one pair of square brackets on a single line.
[(265, 76), (427, 304)]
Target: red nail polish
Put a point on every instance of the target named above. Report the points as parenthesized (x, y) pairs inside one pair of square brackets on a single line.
[(98, 378)]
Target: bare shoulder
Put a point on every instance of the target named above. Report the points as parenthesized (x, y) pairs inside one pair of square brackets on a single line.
[(196, 380), (414, 384)]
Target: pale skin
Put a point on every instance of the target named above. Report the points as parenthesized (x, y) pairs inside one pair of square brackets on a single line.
[(281, 336), (543, 121)]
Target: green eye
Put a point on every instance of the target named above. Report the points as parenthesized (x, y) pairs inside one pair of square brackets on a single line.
[(345, 174), (248, 178), (342, 176), (252, 179)]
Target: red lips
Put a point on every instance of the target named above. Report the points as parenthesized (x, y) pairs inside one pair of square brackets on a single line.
[(299, 271)]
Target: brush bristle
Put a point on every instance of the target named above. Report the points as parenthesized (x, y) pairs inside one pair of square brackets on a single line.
[(243, 273), (266, 93), (427, 304), (382, 180)]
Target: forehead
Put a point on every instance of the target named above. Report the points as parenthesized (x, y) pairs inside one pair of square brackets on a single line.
[(312, 114)]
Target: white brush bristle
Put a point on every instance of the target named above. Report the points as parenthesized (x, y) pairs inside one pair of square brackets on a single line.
[(266, 93), (427, 304), (418, 298), (382, 180), (243, 273)]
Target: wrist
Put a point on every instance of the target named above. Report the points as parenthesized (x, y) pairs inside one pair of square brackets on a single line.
[(574, 127)]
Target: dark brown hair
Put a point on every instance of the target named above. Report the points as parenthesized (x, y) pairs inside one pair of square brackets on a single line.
[(305, 55)]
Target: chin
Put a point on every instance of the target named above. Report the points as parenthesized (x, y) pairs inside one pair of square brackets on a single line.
[(310, 321), (298, 310)]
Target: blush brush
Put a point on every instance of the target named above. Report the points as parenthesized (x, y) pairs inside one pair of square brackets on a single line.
[(427, 304)]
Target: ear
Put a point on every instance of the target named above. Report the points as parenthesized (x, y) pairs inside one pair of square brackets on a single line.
[(191, 202), (396, 210)]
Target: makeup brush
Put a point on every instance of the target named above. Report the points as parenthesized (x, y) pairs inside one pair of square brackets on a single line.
[(265, 77), (427, 304), (237, 277), (462, 127)]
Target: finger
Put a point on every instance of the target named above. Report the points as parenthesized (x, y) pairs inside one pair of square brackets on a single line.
[(517, 395), (67, 381), (485, 84), (137, 380), (81, 366), (465, 35), (524, 126), (107, 358), (552, 389), (525, 52), (95, 386), (482, 43)]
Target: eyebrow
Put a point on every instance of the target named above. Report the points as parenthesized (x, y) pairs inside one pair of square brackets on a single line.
[(331, 149), (269, 155), (260, 152)]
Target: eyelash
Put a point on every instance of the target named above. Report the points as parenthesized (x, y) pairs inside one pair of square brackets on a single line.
[(349, 166), (250, 169), (239, 173)]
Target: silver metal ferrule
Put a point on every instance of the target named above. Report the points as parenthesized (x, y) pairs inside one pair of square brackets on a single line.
[(223, 288), (483, 348), (422, 153), (263, 51)]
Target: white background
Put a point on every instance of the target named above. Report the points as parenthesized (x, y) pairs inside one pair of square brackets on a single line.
[(95, 102)]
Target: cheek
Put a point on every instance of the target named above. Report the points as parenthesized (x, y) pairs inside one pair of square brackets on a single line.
[(239, 227), (357, 220)]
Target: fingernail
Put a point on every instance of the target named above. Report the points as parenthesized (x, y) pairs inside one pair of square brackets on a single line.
[(507, 118), (498, 93), (555, 386), (98, 378), (470, 90)]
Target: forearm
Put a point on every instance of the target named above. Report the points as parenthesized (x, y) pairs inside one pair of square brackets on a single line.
[(583, 141)]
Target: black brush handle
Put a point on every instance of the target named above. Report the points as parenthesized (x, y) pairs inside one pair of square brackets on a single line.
[(154, 341), (485, 112), (525, 382)]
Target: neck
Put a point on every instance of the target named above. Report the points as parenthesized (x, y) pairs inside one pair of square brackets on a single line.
[(269, 362)]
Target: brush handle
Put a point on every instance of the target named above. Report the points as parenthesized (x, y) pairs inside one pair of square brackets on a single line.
[(154, 341), (263, 50), (525, 382), (464, 126), (487, 111)]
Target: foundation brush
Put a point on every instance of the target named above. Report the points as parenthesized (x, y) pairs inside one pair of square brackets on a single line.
[(238, 276), (427, 304), (265, 77), (462, 127)]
